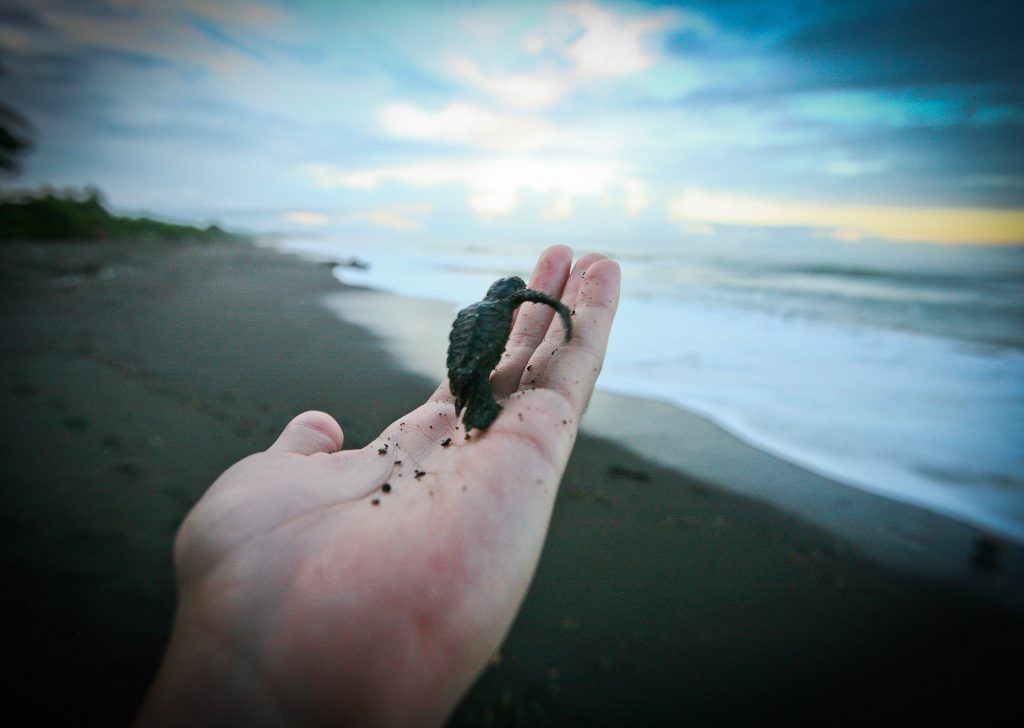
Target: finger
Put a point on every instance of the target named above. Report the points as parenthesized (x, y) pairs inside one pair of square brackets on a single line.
[(309, 433), (532, 320), (539, 359), (578, 277), (443, 393), (572, 369)]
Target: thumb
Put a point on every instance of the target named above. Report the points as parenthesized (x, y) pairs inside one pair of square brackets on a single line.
[(309, 433)]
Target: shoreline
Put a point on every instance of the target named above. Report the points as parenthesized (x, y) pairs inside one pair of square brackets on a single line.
[(982, 505), (895, 532), (135, 374)]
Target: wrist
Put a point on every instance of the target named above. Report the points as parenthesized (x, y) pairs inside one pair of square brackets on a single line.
[(202, 680), (206, 678)]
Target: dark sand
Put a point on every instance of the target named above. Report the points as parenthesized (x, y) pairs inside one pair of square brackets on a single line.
[(133, 375)]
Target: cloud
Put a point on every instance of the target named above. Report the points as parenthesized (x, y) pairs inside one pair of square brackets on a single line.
[(698, 228), (903, 108), (195, 52), (561, 209), (494, 185), (534, 43), (597, 43), (148, 30), (844, 167), (249, 15), (524, 91), (610, 45), (847, 222), (994, 180), (556, 109), (20, 17), (307, 218), (406, 218), (464, 124), (636, 196)]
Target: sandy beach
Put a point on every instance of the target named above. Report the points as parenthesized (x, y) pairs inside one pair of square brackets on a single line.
[(687, 577)]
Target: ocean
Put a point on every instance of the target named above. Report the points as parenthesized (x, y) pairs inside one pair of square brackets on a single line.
[(898, 369)]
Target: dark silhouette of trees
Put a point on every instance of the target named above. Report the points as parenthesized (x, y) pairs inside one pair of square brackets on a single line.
[(15, 138)]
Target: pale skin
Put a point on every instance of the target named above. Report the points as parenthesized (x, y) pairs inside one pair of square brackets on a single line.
[(304, 602)]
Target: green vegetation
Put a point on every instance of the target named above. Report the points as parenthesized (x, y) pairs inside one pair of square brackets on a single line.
[(15, 141), (73, 215), (15, 138)]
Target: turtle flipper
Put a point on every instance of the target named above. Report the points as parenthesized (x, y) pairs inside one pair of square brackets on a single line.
[(481, 407), (532, 296)]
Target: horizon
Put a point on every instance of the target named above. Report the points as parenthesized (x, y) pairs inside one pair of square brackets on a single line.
[(557, 122)]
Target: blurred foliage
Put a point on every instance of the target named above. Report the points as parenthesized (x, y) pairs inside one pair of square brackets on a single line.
[(74, 215), (14, 139)]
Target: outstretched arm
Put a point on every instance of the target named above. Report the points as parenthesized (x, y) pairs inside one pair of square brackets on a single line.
[(370, 587)]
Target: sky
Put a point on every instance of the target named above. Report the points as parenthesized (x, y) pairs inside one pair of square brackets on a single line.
[(861, 120)]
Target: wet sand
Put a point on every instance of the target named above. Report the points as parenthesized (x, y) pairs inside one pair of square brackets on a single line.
[(134, 374)]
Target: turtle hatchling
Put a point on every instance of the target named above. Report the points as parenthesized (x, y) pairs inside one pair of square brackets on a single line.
[(477, 342)]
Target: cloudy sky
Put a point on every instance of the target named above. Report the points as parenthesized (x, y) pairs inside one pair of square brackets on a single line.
[(863, 119)]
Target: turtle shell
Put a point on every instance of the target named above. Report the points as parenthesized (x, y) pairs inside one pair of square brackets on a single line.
[(476, 343)]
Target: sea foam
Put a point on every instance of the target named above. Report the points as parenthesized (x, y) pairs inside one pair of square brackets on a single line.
[(932, 420)]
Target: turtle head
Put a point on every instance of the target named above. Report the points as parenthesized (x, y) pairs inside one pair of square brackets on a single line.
[(505, 287)]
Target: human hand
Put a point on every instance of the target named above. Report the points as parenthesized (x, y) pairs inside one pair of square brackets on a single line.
[(371, 586)]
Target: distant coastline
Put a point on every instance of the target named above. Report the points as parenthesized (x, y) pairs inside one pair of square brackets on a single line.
[(47, 214)]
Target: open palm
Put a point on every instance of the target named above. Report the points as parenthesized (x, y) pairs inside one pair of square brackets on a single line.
[(371, 586)]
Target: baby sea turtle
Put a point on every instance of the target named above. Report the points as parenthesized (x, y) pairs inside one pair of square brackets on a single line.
[(477, 342)]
